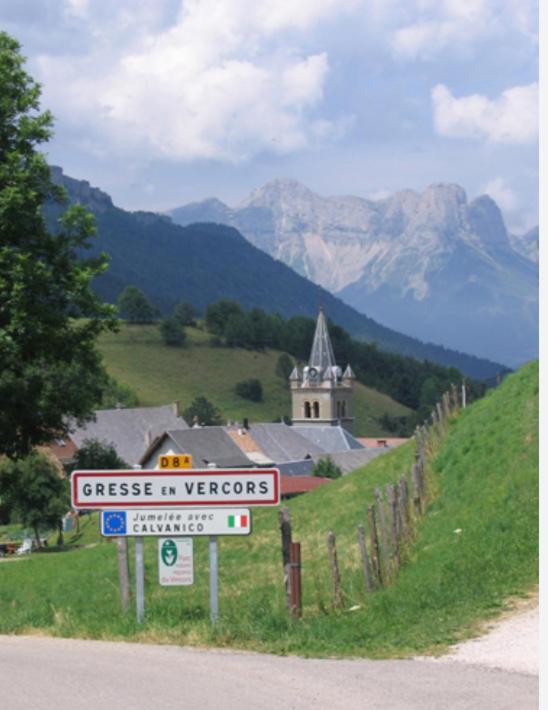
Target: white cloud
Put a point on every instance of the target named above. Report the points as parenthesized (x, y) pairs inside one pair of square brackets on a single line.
[(221, 82), (502, 193), (78, 8), (512, 118), (436, 25)]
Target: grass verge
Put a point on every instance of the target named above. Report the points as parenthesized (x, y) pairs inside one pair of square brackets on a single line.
[(486, 476)]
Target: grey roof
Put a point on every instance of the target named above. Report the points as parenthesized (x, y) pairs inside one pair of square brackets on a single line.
[(321, 355), (210, 444), (129, 431), (298, 468), (329, 439), (349, 461), (283, 443)]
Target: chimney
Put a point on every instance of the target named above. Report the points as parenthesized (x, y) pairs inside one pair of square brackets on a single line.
[(246, 423), (176, 408)]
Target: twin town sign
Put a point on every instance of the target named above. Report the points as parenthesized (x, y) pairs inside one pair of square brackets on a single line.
[(194, 488)]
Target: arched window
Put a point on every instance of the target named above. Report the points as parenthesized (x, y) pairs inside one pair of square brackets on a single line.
[(343, 409), (316, 410), (307, 412)]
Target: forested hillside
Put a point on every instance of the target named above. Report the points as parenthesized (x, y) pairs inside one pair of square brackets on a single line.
[(202, 263)]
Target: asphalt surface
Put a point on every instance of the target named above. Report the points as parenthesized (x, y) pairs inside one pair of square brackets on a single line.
[(63, 674)]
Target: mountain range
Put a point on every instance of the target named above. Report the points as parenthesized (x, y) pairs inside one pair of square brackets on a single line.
[(202, 263), (432, 265)]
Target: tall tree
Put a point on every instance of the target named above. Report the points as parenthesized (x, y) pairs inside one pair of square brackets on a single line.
[(202, 412), (35, 493), (50, 317), (135, 307)]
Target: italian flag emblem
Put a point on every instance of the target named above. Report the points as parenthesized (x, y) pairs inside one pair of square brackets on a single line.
[(237, 521)]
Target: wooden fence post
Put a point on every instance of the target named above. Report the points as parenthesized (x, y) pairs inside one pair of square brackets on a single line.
[(332, 549), (393, 504), (285, 529), (416, 490), (365, 559), (454, 397), (447, 400), (440, 413), (296, 604), (123, 572), (384, 538), (404, 506), (375, 551)]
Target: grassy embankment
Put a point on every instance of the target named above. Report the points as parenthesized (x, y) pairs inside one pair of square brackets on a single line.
[(160, 374), (486, 476)]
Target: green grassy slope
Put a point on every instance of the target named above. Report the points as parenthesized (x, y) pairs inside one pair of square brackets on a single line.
[(487, 481), (160, 374)]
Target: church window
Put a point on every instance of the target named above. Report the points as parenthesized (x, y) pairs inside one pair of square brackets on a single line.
[(307, 411), (343, 409), (316, 410)]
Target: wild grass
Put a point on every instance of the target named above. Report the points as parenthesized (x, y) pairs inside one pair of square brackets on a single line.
[(477, 546)]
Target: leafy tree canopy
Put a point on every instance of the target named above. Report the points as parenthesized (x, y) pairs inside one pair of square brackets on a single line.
[(95, 454), (202, 412), (172, 332), (326, 468), (185, 313), (50, 368), (33, 491), (250, 389), (117, 393), (284, 366), (135, 307), (218, 313)]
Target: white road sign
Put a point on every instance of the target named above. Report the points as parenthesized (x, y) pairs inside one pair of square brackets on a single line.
[(175, 561), (174, 489), (189, 521)]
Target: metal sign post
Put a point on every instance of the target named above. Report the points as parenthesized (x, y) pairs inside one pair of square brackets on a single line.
[(165, 502), (213, 580), (139, 579)]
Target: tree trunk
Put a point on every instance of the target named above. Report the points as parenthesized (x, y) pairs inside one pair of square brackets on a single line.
[(37, 537), (60, 538)]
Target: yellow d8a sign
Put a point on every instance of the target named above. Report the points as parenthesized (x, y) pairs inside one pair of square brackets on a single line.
[(172, 461)]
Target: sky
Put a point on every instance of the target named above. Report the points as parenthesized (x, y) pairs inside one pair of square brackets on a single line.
[(164, 102)]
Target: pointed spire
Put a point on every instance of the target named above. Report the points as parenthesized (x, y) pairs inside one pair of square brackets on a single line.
[(295, 375), (348, 374), (321, 355)]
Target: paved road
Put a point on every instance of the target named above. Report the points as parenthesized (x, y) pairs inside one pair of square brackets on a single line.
[(59, 674)]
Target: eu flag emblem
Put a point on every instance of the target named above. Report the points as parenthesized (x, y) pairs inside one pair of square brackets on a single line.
[(114, 522)]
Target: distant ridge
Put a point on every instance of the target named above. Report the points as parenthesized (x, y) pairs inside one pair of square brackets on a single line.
[(433, 264), (205, 262)]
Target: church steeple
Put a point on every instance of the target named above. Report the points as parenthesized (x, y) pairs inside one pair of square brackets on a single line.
[(322, 395), (321, 355)]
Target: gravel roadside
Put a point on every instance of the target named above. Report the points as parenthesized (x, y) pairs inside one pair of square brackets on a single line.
[(510, 643)]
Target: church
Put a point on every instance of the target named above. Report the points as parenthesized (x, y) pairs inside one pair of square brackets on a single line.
[(321, 395)]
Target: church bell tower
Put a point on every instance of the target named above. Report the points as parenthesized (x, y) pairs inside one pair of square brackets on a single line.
[(321, 394)]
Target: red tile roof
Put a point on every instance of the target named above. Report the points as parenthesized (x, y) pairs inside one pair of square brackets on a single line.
[(292, 485), (380, 441)]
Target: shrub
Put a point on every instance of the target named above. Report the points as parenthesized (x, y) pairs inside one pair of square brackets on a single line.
[(326, 468), (172, 332), (202, 411), (284, 366), (250, 389)]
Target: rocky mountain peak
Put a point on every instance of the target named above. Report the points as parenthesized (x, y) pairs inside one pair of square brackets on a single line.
[(486, 222), (279, 191), (81, 191)]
